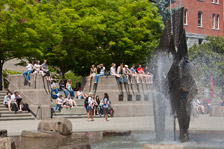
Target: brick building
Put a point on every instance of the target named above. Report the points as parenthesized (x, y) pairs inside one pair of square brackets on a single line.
[(202, 18)]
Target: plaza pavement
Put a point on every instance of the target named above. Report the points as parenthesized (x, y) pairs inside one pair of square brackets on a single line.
[(203, 122)]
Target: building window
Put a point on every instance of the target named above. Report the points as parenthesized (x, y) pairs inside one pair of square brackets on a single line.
[(217, 1), (213, 1), (200, 41), (199, 19), (217, 22), (213, 21), (185, 16)]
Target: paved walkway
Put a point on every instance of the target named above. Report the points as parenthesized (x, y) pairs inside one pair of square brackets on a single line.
[(203, 122)]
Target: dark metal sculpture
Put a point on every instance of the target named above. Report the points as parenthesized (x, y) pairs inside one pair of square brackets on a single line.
[(181, 85)]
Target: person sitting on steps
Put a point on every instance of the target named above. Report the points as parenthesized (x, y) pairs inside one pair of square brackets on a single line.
[(59, 103), (92, 74), (102, 73), (69, 88), (71, 101), (45, 71), (79, 94), (113, 70), (7, 101), (134, 74), (54, 89), (63, 88), (17, 99), (127, 73), (120, 71), (36, 69), (27, 73)]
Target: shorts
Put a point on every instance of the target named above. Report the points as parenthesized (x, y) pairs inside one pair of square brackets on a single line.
[(95, 107), (89, 108), (93, 74)]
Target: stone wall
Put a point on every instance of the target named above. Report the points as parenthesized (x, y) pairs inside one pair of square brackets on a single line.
[(36, 94), (127, 100)]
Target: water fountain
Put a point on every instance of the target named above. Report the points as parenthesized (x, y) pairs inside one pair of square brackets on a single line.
[(174, 83)]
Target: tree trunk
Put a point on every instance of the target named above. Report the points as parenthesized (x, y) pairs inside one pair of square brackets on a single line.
[(1, 66), (63, 75)]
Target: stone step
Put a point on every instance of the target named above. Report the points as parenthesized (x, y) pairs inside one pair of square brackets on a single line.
[(16, 118), (78, 116), (4, 109), (75, 111), (12, 112), (16, 115)]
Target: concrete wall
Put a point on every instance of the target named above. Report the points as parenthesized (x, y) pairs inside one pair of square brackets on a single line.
[(10, 65), (141, 94), (36, 94)]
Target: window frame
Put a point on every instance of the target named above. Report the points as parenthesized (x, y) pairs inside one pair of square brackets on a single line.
[(201, 20), (185, 16), (217, 22), (213, 21)]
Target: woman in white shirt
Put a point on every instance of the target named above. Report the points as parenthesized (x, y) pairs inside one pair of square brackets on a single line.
[(90, 107), (28, 72), (113, 70), (105, 105), (37, 69)]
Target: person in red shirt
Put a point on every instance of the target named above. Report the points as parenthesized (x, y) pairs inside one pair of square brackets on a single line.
[(141, 72)]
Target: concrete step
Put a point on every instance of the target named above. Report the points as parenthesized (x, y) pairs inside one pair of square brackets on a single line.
[(4, 109), (78, 116), (12, 112), (16, 115), (16, 118), (72, 111)]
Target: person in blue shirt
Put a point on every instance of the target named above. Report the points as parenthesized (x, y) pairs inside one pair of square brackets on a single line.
[(7, 101)]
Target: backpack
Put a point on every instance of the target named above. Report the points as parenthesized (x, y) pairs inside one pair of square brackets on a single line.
[(14, 107), (86, 102)]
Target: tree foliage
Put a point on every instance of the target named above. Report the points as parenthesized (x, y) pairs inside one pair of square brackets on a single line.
[(74, 34), (209, 58)]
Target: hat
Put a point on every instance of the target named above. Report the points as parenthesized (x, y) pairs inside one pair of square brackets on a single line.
[(126, 66), (58, 94)]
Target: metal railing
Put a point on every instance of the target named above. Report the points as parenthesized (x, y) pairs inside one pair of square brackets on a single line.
[(24, 95)]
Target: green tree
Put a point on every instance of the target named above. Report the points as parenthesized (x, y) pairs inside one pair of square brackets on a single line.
[(12, 14), (209, 58), (74, 34)]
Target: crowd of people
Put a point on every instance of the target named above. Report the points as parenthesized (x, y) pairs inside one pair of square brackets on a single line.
[(200, 106), (14, 102), (124, 74), (95, 106), (35, 69)]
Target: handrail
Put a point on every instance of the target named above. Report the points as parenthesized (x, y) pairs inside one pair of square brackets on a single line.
[(21, 92)]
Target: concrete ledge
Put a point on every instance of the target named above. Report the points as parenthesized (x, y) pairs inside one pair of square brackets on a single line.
[(217, 111), (164, 146), (77, 111)]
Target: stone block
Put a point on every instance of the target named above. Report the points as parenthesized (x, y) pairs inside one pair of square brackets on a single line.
[(78, 110), (217, 111), (164, 146), (59, 125), (7, 143), (116, 133), (41, 134)]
